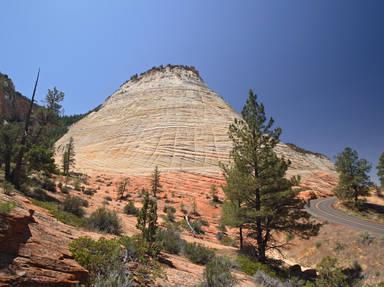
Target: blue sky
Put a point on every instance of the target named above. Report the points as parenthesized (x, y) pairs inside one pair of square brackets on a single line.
[(318, 66)]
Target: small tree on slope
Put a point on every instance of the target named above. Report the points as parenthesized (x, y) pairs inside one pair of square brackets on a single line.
[(155, 182), (147, 218), (380, 171), (270, 203), (353, 175), (69, 156)]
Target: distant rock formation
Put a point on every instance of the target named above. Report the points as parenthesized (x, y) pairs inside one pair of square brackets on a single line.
[(166, 117), (13, 105)]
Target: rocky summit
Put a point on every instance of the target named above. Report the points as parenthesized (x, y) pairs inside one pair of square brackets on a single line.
[(168, 117)]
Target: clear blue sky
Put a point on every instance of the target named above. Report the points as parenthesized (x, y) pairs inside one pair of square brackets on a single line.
[(318, 66)]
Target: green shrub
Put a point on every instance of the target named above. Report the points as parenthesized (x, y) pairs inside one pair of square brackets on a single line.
[(104, 220), (48, 184), (6, 207), (130, 209), (250, 266), (198, 224), (265, 280), (169, 240), (138, 249), (115, 277), (217, 273), (77, 185), (89, 191), (8, 188), (170, 211), (40, 194), (96, 256), (59, 214), (74, 204), (198, 253)]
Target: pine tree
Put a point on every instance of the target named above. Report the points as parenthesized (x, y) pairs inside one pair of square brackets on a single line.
[(380, 171), (69, 157), (236, 191), (353, 175), (53, 99), (155, 182), (270, 202), (147, 218)]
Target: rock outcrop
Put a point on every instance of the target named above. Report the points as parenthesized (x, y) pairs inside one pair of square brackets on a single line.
[(13, 105), (166, 117), (34, 249)]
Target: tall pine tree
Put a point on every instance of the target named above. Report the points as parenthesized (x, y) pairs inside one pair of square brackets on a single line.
[(380, 171), (353, 175), (270, 203)]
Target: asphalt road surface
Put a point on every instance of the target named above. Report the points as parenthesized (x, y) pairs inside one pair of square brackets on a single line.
[(322, 208)]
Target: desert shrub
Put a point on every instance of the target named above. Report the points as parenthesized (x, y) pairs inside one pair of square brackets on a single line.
[(183, 209), (40, 194), (198, 253), (225, 239), (48, 184), (169, 208), (74, 204), (104, 220), (107, 198), (59, 214), (250, 266), (137, 249), (77, 185), (96, 256), (170, 211), (217, 273), (89, 191), (6, 207), (130, 209), (65, 189), (198, 224), (169, 240), (7, 187), (118, 277), (265, 280), (330, 275), (366, 238)]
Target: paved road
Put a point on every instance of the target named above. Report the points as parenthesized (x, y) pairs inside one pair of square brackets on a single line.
[(323, 208)]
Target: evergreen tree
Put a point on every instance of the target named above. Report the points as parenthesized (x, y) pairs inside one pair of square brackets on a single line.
[(353, 175), (9, 134), (122, 187), (69, 157), (380, 171), (236, 191), (155, 182), (53, 99), (270, 202), (147, 218)]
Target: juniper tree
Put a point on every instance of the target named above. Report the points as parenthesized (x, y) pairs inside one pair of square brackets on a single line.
[(270, 203), (353, 175), (122, 187), (380, 171), (147, 218), (155, 182), (69, 156)]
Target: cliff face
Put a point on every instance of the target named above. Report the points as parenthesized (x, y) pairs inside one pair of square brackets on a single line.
[(13, 106), (166, 117)]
